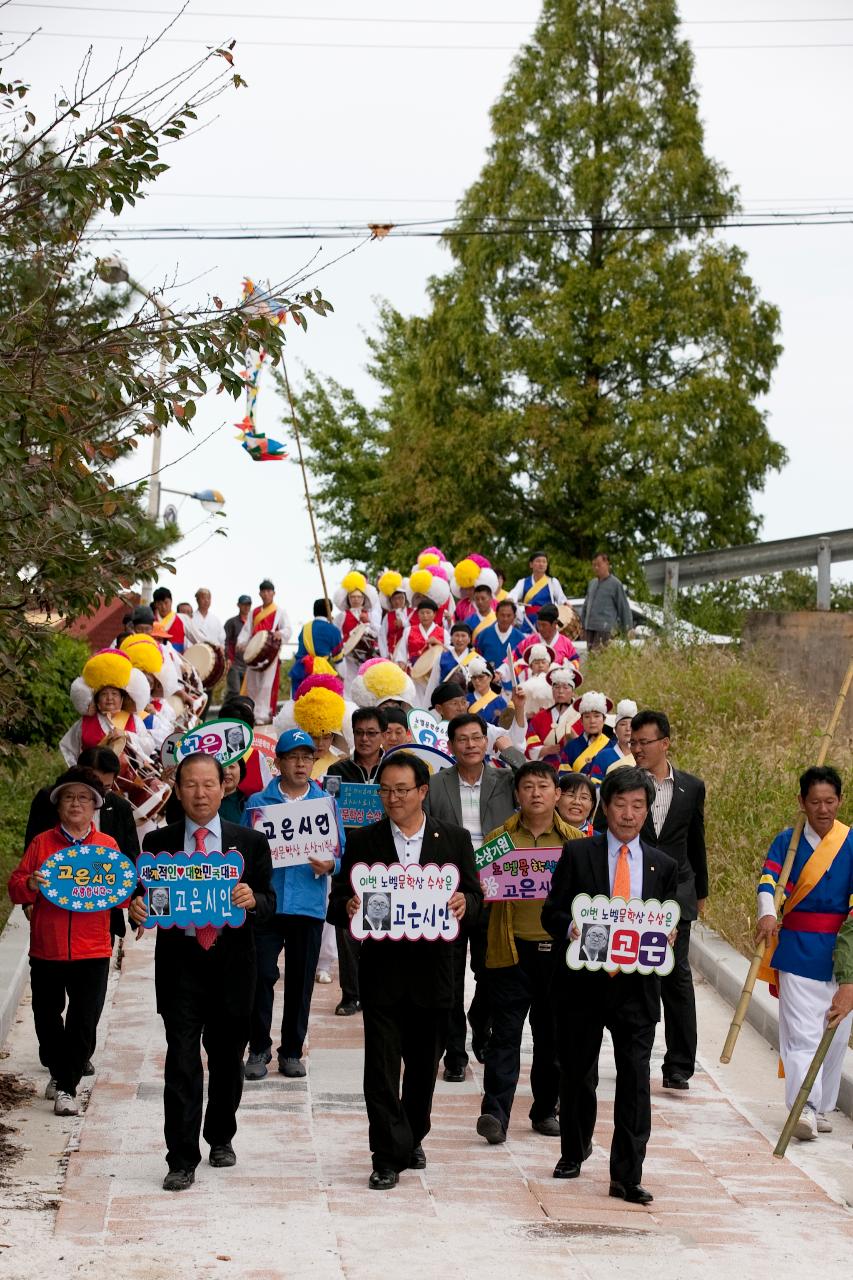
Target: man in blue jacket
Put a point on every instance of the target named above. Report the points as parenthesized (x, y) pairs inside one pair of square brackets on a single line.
[(297, 925)]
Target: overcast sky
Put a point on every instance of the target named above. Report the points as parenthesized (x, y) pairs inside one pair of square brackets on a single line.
[(328, 131)]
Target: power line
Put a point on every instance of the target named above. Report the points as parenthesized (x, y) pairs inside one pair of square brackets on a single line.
[(392, 48), (443, 22)]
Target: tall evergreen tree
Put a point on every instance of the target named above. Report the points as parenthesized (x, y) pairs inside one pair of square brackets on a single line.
[(589, 369)]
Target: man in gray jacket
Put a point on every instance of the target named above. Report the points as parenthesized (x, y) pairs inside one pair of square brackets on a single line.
[(478, 797), (605, 607)]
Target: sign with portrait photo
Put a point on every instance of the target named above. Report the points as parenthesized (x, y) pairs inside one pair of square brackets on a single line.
[(225, 740), (299, 830), (399, 902), (87, 877), (183, 889), (620, 936)]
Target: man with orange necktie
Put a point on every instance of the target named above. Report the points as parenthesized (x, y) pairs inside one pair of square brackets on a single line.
[(204, 979), (617, 864)]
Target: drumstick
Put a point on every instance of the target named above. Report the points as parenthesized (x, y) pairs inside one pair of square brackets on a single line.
[(511, 664)]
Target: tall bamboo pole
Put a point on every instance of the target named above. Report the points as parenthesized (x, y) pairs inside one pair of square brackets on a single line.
[(779, 894), (805, 1089), (317, 553)]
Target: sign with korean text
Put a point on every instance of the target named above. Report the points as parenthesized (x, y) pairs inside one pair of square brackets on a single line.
[(225, 740), (183, 889), (427, 731), (519, 875), (620, 936), (359, 803), (299, 830), (87, 877), (399, 902)]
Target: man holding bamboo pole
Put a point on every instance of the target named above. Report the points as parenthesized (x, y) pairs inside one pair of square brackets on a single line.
[(799, 948)]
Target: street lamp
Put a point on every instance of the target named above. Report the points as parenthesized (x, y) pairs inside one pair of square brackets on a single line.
[(211, 499)]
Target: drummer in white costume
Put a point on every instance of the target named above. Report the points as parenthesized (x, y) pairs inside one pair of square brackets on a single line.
[(261, 685), (204, 626)]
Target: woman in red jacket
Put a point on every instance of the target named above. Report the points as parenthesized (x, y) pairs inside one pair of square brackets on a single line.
[(69, 952)]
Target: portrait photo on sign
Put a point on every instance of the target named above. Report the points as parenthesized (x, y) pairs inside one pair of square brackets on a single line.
[(160, 901), (594, 940), (377, 911)]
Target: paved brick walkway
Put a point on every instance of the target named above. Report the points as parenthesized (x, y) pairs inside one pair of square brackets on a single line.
[(297, 1203)]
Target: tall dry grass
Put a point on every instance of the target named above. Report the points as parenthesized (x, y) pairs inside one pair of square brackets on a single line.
[(748, 733)]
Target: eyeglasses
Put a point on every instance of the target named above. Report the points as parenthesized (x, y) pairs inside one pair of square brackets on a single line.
[(643, 742), (367, 733), (75, 797), (399, 793), (469, 742)]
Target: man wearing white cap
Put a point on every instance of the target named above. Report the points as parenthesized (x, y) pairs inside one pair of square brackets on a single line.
[(583, 749), (618, 750)]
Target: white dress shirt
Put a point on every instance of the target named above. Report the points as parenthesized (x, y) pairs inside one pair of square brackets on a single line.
[(635, 862), (469, 800), (664, 789), (408, 847)]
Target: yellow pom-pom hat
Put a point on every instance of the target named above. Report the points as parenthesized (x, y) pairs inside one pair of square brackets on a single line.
[(381, 681), (107, 668), (354, 581), (466, 573), (319, 711), (144, 652)]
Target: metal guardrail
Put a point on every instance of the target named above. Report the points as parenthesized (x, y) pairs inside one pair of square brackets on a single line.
[(669, 573)]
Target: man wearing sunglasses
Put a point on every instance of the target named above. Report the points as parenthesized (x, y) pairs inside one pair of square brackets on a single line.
[(407, 987)]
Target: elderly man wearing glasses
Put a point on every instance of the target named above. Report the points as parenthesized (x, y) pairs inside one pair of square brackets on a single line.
[(407, 987)]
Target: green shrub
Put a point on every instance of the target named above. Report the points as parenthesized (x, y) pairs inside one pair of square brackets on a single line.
[(35, 768), (744, 730), (46, 691)]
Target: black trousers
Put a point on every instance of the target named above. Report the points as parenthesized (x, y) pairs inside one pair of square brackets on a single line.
[(65, 1046), (348, 952), (455, 1052), (399, 1117), (301, 937), (195, 1017), (679, 1009), (513, 993), (579, 1037)]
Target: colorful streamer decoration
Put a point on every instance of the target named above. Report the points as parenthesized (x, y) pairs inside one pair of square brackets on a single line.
[(260, 448)]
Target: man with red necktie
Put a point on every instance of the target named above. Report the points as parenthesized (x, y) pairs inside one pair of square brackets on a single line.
[(204, 979), (617, 864)]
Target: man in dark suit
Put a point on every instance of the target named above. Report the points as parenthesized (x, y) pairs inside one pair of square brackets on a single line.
[(407, 987), (205, 986), (676, 824), (479, 798), (616, 863)]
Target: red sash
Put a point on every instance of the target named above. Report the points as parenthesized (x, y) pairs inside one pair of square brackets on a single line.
[(416, 644)]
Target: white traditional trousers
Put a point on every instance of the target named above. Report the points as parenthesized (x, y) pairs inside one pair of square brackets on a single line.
[(803, 1006)]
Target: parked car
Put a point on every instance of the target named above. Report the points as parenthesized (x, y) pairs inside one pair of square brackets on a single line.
[(649, 625)]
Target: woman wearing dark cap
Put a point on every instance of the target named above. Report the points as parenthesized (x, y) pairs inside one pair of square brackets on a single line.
[(69, 952)]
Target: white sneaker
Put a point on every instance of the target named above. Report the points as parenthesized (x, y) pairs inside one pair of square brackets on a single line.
[(323, 976), (50, 1091), (806, 1127), (823, 1125), (65, 1105)]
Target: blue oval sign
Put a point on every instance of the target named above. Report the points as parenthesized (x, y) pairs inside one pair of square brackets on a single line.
[(87, 877)]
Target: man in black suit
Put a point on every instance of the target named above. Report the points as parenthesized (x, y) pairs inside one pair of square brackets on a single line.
[(407, 987), (676, 824), (205, 986), (480, 798), (616, 863)]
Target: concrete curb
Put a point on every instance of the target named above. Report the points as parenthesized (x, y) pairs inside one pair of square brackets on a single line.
[(725, 970), (14, 968)]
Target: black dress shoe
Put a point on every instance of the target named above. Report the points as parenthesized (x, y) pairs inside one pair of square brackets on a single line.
[(89, 1069), (417, 1160), (178, 1179), (632, 1192), (549, 1125), (222, 1156), (490, 1128), (566, 1169), (347, 1008), (675, 1080), (383, 1179), (453, 1075)]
